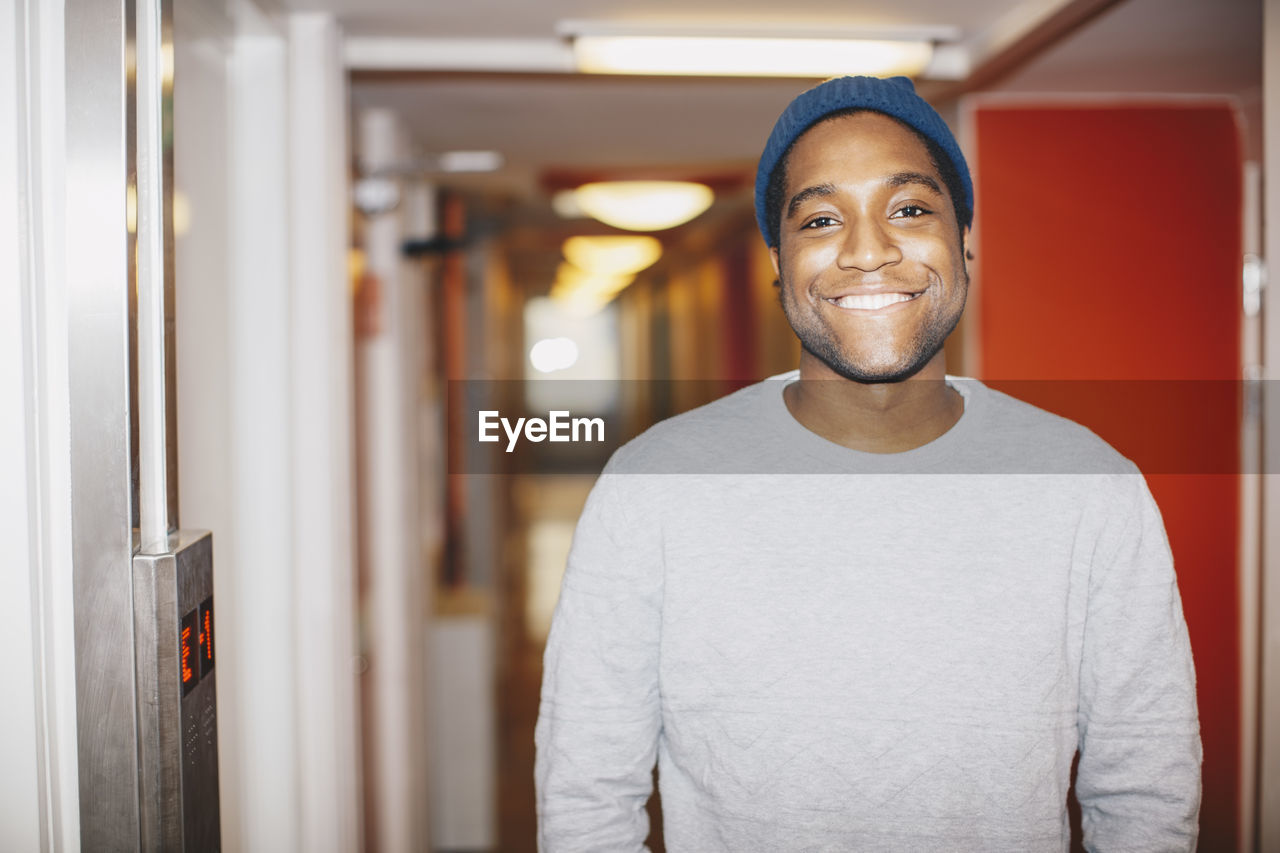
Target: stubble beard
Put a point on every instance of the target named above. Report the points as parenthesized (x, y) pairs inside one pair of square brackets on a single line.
[(821, 342)]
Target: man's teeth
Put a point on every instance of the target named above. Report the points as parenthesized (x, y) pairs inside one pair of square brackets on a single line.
[(871, 301)]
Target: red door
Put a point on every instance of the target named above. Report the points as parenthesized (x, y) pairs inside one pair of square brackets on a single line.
[(1110, 250)]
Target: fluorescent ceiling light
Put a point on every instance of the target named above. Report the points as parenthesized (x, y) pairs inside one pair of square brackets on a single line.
[(749, 56), (613, 254), (644, 205), (429, 165), (470, 161)]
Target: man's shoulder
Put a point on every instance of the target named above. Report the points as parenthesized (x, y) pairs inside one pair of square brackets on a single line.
[(722, 430), (1026, 435)]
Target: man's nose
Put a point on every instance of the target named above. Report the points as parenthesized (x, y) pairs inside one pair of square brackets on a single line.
[(868, 245)]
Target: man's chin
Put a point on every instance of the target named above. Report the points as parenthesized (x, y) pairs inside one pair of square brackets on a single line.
[(873, 374), (883, 377)]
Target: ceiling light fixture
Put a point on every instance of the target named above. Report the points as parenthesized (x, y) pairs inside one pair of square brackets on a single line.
[(612, 254), (470, 161), (752, 51), (644, 205), (431, 165), (565, 204), (597, 269), (584, 292), (749, 57)]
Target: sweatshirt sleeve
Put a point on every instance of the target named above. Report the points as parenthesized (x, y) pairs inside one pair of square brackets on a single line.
[(1138, 779), (600, 714)]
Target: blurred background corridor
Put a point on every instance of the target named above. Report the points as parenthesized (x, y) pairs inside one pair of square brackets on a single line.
[(370, 220)]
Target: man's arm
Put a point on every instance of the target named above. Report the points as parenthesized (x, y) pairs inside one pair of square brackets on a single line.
[(600, 716), (1139, 775)]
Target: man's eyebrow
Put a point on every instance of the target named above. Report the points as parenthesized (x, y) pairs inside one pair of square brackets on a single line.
[(898, 179), (901, 179), (817, 191)]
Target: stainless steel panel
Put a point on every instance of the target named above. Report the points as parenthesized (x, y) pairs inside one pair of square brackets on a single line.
[(177, 721), (100, 132), (155, 604), (97, 281)]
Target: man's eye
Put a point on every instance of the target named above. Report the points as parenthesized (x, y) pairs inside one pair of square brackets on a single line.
[(911, 211), (819, 222)]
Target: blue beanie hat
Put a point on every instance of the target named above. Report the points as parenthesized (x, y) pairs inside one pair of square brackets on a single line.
[(895, 96)]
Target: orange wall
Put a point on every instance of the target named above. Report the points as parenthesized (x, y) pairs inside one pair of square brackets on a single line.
[(1110, 249)]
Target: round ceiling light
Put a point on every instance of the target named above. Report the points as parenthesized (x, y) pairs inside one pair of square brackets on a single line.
[(644, 205)]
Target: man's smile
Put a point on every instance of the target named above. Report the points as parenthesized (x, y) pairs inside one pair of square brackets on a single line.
[(871, 301)]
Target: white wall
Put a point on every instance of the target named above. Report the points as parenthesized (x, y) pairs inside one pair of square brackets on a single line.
[(464, 723), (264, 411), (1269, 759), (396, 581), (21, 800), (322, 440), (39, 797)]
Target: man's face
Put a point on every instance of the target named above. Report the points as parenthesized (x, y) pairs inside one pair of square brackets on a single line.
[(869, 257)]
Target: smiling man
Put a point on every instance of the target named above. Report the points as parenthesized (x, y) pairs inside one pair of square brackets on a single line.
[(870, 258), (865, 605)]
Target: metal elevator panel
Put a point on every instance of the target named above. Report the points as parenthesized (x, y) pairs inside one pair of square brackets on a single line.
[(176, 631), (146, 725)]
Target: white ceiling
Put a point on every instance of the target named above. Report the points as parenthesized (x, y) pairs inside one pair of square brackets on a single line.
[(1172, 46), (546, 122)]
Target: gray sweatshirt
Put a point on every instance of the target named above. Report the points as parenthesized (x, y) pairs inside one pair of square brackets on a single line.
[(832, 650)]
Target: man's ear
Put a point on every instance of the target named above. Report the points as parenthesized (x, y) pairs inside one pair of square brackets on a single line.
[(773, 256), (964, 243)]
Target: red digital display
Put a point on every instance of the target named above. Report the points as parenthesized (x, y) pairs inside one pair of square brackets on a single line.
[(206, 636), (188, 662), (195, 645)]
